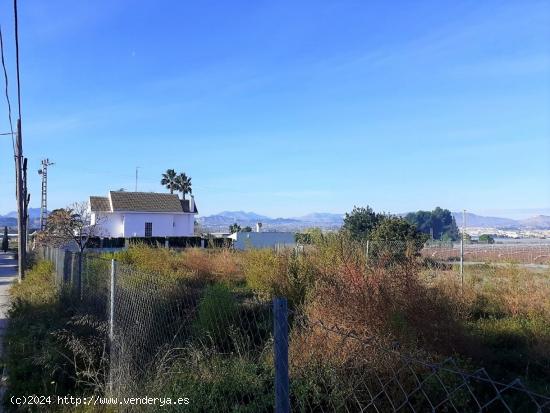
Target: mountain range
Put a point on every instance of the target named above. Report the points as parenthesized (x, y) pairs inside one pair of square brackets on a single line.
[(325, 220), (221, 221), (10, 219)]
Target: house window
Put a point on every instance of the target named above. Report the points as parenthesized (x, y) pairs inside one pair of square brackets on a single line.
[(148, 229)]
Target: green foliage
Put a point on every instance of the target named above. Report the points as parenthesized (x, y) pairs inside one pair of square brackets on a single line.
[(49, 346), (261, 270), (486, 239), (215, 383), (308, 236), (361, 222), (183, 184), (233, 228), (32, 355), (439, 223), (395, 241), (217, 312), (176, 182), (515, 346), (5, 240), (169, 180), (247, 229)]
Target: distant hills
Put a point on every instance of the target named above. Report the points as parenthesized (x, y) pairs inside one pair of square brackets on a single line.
[(473, 220), (220, 222), (10, 219)]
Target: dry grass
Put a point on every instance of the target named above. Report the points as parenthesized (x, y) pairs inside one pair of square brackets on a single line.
[(502, 314), (193, 264), (509, 291)]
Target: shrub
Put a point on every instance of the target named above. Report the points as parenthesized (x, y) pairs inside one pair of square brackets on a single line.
[(216, 383), (262, 270), (216, 315), (50, 348), (386, 304)]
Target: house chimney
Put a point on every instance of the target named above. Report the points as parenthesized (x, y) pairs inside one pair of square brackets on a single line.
[(191, 204), (258, 227)]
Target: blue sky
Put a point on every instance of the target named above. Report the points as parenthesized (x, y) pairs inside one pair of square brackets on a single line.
[(286, 108)]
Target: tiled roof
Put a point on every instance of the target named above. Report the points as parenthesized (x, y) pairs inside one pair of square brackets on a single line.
[(145, 202), (100, 203), (140, 202)]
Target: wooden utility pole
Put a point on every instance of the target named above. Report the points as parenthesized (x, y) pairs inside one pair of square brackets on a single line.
[(20, 172), (21, 201)]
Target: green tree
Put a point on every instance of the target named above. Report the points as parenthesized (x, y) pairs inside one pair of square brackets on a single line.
[(234, 228), (5, 240), (486, 239), (439, 223), (360, 222), (183, 183), (247, 229), (395, 240), (169, 180)]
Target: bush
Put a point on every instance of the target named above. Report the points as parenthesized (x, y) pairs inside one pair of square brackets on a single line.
[(216, 315), (50, 348), (215, 383), (262, 270)]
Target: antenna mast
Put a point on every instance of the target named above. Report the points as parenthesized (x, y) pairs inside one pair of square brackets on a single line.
[(44, 199)]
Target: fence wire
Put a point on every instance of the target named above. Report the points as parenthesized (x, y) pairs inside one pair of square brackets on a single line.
[(345, 372), (183, 337)]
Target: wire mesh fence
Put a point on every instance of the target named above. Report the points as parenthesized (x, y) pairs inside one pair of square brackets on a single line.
[(223, 348), (334, 369), (490, 253)]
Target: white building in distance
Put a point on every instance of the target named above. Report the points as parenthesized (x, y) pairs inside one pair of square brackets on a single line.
[(253, 240), (143, 214)]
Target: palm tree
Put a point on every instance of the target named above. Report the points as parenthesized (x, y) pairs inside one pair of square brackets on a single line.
[(183, 183), (169, 180)]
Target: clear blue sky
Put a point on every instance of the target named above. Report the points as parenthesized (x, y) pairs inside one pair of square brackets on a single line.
[(287, 107)]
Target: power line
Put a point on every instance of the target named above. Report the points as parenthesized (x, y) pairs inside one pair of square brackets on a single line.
[(6, 89), (17, 56)]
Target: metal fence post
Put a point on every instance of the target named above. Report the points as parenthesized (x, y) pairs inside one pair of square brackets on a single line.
[(112, 300), (462, 262), (280, 327), (462, 250), (111, 321)]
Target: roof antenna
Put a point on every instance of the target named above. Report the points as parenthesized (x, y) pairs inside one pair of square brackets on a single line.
[(137, 167)]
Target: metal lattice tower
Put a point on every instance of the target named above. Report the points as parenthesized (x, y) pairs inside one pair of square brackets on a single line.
[(44, 198)]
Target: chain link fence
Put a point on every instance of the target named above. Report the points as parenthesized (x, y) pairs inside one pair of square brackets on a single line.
[(536, 254), (225, 349), (347, 372)]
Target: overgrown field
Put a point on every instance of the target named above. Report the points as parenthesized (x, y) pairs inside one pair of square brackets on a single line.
[(499, 319), (198, 323), (52, 346)]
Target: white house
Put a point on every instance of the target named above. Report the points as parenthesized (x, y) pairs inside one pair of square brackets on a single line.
[(143, 214), (246, 240)]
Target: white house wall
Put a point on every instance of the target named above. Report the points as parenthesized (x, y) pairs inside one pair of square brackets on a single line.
[(164, 225), (110, 225), (185, 225)]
